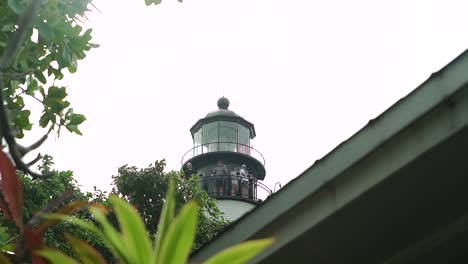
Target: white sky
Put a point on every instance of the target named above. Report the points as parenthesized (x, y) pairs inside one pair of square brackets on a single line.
[(308, 74)]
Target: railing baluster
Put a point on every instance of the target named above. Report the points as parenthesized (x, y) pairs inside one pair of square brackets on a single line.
[(244, 149), (211, 185)]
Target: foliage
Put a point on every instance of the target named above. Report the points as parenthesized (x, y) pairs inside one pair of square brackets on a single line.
[(39, 193), (130, 242), (146, 189), (49, 195), (38, 43), (39, 39), (155, 2), (56, 42), (133, 244)]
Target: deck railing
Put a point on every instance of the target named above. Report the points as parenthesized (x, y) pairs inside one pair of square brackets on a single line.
[(230, 186), (223, 147)]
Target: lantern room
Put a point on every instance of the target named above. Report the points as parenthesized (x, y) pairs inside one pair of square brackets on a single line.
[(229, 169), (224, 135)]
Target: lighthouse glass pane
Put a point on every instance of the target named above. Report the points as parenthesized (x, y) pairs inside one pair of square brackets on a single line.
[(210, 136), (243, 146), (197, 142), (227, 136)]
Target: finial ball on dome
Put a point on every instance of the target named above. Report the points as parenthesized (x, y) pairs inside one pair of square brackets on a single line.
[(223, 103)]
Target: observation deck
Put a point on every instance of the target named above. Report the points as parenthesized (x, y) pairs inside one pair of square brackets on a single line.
[(234, 153), (229, 168), (236, 187)]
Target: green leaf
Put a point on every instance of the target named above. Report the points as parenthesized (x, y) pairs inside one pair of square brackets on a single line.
[(240, 253), (73, 65), (111, 236), (55, 105), (54, 99), (45, 31), (180, 236), (149, 2), (55, 257), (16, 6), (6, 240), (22, 119), (56, 92), (165, 219), (4, 236), (8, 27), (138, 243), (32, 87), (54, 17), (40, 76), (76, 119), (7, 247), (44, 120), (41, 90), (74, 128), (86, 253)]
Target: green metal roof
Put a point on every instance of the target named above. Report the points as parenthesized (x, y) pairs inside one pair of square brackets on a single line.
[(356, 187), (223, 114)]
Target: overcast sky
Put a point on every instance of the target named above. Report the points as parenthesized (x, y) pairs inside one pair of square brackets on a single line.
[(308, 74)]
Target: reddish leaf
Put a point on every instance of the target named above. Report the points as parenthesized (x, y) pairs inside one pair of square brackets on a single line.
[(33, 241), (68, 209), (11, 188)]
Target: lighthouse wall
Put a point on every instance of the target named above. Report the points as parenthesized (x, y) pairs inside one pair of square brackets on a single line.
[(233, 209)]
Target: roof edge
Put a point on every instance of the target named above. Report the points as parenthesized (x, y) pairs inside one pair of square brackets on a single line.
[(430, 94)]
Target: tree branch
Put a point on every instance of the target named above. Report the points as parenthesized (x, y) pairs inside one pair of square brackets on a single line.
[(35, 160), (49, 207), (25, 150), (9, 54)]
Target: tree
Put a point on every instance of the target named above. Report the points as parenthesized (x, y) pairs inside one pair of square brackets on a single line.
[(55, 42), (48, 193), (146, 189), (130, 242), (38, 39)]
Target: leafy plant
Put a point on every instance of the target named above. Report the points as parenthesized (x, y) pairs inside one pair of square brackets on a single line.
[(39, 39), (146, 189), (27, 237), (133, 243), (39, 193)]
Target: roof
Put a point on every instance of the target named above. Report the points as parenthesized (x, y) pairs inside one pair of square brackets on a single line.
[(223, 114), (384, 181)]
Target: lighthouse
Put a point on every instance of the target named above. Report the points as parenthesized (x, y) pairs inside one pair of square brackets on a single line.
[(230, 170)]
